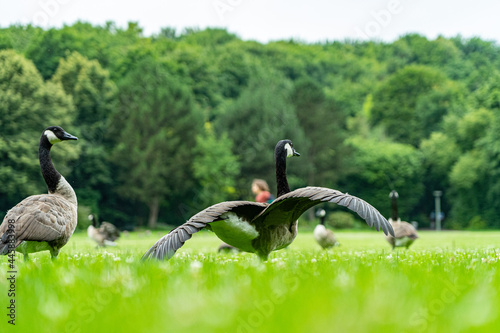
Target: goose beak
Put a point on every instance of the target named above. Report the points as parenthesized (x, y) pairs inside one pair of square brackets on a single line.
[(67, 136), (295, 153)]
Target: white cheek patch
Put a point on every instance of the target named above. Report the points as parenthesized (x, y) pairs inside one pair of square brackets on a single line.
[(52, 137), (289, 150)]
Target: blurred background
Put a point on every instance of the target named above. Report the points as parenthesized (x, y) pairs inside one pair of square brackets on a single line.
[(179, 106)]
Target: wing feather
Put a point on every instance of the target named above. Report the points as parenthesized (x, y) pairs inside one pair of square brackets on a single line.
[(288, 207), (166, 246)]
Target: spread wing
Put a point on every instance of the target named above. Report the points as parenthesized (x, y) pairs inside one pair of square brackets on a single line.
[(37, 218), (289, 207), (171, 242)]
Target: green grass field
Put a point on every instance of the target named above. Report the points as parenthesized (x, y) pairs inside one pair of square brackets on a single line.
[(447, 282)]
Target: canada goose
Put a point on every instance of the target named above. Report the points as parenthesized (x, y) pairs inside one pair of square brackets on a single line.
[(46, 221), (105, 235), (261, 227), (324, 237), (404, 233)]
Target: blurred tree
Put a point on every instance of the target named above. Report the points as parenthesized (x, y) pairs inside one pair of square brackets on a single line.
[(440, 152), (106, 44), (94, 98), (376, 167), (488, 94), (155, 125), (395, 102), (208, 37), (431, 108), (440, 95), (472, 127), (235, 68), (18, 37), (468, 186), (202, 72), (255, 122), (28, 106), (417, 49), (215, 167), (168, 32), (323, 127), (488, 146), (47, 49)]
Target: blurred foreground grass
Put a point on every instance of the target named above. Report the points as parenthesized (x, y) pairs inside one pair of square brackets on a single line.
[(447, 282)]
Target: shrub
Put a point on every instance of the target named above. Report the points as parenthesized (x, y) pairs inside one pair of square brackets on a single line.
[(340, 220), (83, 217), (477, 223)]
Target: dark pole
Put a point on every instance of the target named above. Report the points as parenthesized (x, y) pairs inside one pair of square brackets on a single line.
[(437, 202)]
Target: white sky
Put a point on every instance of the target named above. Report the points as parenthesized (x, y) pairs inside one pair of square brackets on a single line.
[(306, 20)]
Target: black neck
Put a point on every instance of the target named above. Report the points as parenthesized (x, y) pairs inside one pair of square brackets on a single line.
[(49, 172), (94, 222), (394, 201), (281, 181), (322, 220)]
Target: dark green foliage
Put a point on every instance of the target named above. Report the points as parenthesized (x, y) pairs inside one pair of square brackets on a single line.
[(94, 98), (377, 167), (397, 99), (416, 115), (255, 122), (319, 120), (340, 220), (28, 105), (155, 127), (215, 167)]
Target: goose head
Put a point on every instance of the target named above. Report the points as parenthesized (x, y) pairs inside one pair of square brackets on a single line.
[(92, 218), (393, 195), (320, 212), (285, 148), (55, 134)]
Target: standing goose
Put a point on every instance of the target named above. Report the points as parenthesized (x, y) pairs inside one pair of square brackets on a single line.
[(261, 227), (46, 221), (105, 235), (324, 237), (404, 233)]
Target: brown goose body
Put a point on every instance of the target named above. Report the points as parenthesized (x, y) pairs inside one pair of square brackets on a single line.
[(404, 233), (261, 227), (104, 235), (46, 221), (324, 237)]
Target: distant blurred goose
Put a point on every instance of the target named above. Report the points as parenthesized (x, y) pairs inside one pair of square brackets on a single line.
[(105, 235), (46, 221), (404, 233), (324, 237), (261, 227)]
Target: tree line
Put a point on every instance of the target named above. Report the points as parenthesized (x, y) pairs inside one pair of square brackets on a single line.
[(174, 122)]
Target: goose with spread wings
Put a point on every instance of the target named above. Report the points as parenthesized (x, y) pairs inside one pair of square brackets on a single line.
[(261, 227)]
